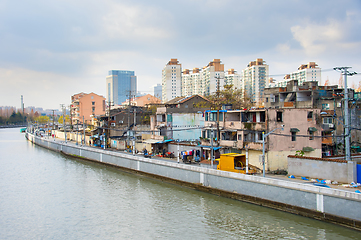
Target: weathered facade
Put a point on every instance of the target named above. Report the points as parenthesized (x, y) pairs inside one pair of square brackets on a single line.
[(180, 113), (330, 99), (243, 130)]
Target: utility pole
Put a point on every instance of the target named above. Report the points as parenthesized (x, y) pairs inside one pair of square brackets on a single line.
[(128, 137), (71, 118), (134, 123), (217, 106), (53, 120), (110, 104), (212, 147), (53, 126), (77, 131), (83, 132), (263, 147), (64, 109), (345, 72)]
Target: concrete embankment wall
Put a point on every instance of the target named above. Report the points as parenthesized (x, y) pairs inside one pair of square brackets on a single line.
[(326, 204), (332, 169)]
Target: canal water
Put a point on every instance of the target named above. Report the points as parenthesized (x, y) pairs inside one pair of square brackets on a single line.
[(46, 195)]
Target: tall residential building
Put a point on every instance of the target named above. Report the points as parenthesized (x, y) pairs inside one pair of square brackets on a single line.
[(212, 75), (198, 84), (253, 80), (158, 91), (119, 85), (202, 81), (309, 72), (171, 80), (192, 82), (87, 106), (232, 78)]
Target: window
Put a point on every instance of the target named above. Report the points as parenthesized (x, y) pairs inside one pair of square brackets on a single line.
[(93, 109), (311, 135), (325, 106), (93, 103), (279, 117), (309, 115), (239, 137), (293, 138), (260, 137), (327, 120)]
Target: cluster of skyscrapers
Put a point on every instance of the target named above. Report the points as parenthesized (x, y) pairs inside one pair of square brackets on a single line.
[(252, 80)]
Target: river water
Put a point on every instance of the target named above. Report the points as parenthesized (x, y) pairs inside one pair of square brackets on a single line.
[(45, 195)]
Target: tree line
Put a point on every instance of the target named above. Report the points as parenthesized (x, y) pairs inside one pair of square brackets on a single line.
[(14, 119)]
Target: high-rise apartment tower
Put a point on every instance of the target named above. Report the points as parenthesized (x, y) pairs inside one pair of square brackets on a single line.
[(253, 80), (120, 86), (171, 80)]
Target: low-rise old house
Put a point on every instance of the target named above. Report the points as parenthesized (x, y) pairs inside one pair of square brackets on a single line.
[(330, 99), (241, 130), (142, 101), (176, 115)]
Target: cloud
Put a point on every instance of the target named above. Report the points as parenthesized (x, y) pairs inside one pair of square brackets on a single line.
[(38, 88), (136, 22), (332, 37), (316, 39)]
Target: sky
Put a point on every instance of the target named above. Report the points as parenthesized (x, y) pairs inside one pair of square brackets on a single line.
[(51, 50)]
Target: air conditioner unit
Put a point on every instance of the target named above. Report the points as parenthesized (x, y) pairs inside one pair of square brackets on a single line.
[(331, 125), (112, 124)]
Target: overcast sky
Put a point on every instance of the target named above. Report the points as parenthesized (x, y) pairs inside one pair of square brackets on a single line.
[(50, 50)]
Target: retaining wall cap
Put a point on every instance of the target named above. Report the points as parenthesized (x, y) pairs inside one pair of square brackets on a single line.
[(318, 159)]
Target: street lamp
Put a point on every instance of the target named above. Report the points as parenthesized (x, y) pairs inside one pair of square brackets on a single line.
[(263, 141)]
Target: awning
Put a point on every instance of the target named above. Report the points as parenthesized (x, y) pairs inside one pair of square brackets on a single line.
[(150, 141), (165, 141), (307, 149), (214, 111), (153, 141), (204, 146), (294, 130), (312, 129)]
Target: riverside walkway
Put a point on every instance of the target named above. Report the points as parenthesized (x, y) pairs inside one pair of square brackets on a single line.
[(297, 179)]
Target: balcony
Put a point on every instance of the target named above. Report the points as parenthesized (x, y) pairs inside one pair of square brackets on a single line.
[(328, 126), (233, 124), (228, 143), (288, 104), (253, 145), (327, 140), (255, 126)]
